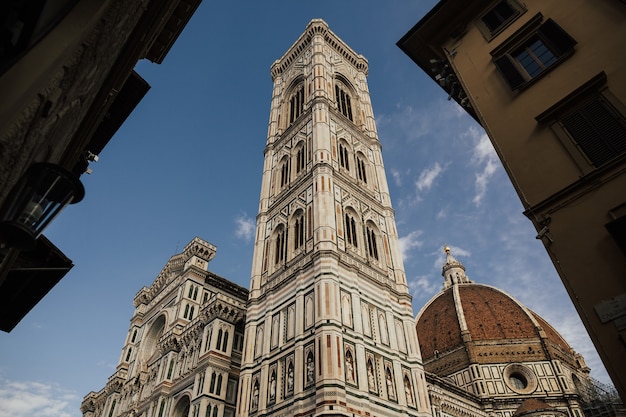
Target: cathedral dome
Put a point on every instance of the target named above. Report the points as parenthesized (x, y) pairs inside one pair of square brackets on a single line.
[(468, 323)]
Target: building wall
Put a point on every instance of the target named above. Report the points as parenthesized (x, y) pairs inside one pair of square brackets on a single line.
[(568, 197)]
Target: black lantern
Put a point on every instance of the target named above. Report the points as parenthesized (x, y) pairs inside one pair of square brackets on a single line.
[(36, 199)]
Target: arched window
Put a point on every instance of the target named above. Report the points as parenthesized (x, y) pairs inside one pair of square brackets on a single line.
[(298, 238), (350, 225), (361, 169), (300, 159), (343, 157), (279, 255), (132, 340), (208, 411), (212, 386), (215, 410), (130, 350), (372, 247), (285, 176), (218, 389), (344, 104), (296, 104), (225, 344), (170, 371), (191, 312), (219, 338)]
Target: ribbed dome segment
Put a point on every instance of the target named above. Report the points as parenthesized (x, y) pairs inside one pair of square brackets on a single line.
[(468, 323), (437, 329), (492, 315)]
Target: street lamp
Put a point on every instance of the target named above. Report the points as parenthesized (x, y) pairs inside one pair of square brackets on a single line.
[(42, 192)]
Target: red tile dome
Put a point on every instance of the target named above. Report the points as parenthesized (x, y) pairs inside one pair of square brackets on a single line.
[(473, 323)]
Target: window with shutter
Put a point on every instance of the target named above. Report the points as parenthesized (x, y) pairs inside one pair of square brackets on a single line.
[(533, 55), (598, 130), (499, 17)]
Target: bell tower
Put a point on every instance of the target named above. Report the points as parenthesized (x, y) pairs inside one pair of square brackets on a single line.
[(329, 328)]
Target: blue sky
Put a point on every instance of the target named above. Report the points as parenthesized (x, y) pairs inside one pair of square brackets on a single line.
[(188, 162)]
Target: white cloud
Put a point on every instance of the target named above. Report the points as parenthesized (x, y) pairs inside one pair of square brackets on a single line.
[(428, 176), (424, 287), (484, 156), (245, 227), (397, 179), (27, 399), (408, 242)]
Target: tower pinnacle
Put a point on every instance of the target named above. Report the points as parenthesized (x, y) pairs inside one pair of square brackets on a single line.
[(453, 271)]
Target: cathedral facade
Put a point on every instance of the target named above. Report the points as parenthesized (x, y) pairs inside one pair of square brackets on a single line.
[(326, 327)]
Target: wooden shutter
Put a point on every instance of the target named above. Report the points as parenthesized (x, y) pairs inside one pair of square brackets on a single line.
[(509, 71), (559, 40), (600, 134)]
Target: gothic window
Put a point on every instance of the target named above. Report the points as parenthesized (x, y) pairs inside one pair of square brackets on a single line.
[(372, 246), (298, 239), (285, 176), (215, 411), (343, 100), (218, 388), (219, 338), (207, 341), (280, 246), (225, 343), (130, 350), (343, 157), (212, 386), (361, 170), (200, 383), (132, 340), (170, 370), (296, 104), (300, 159), (112, 408), (351, 227)]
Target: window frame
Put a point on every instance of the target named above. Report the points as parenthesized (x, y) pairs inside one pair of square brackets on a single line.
[(590, 91), (559, 42), (518, 10)]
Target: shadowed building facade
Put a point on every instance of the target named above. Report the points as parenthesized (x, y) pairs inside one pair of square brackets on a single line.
[(546, 80)]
